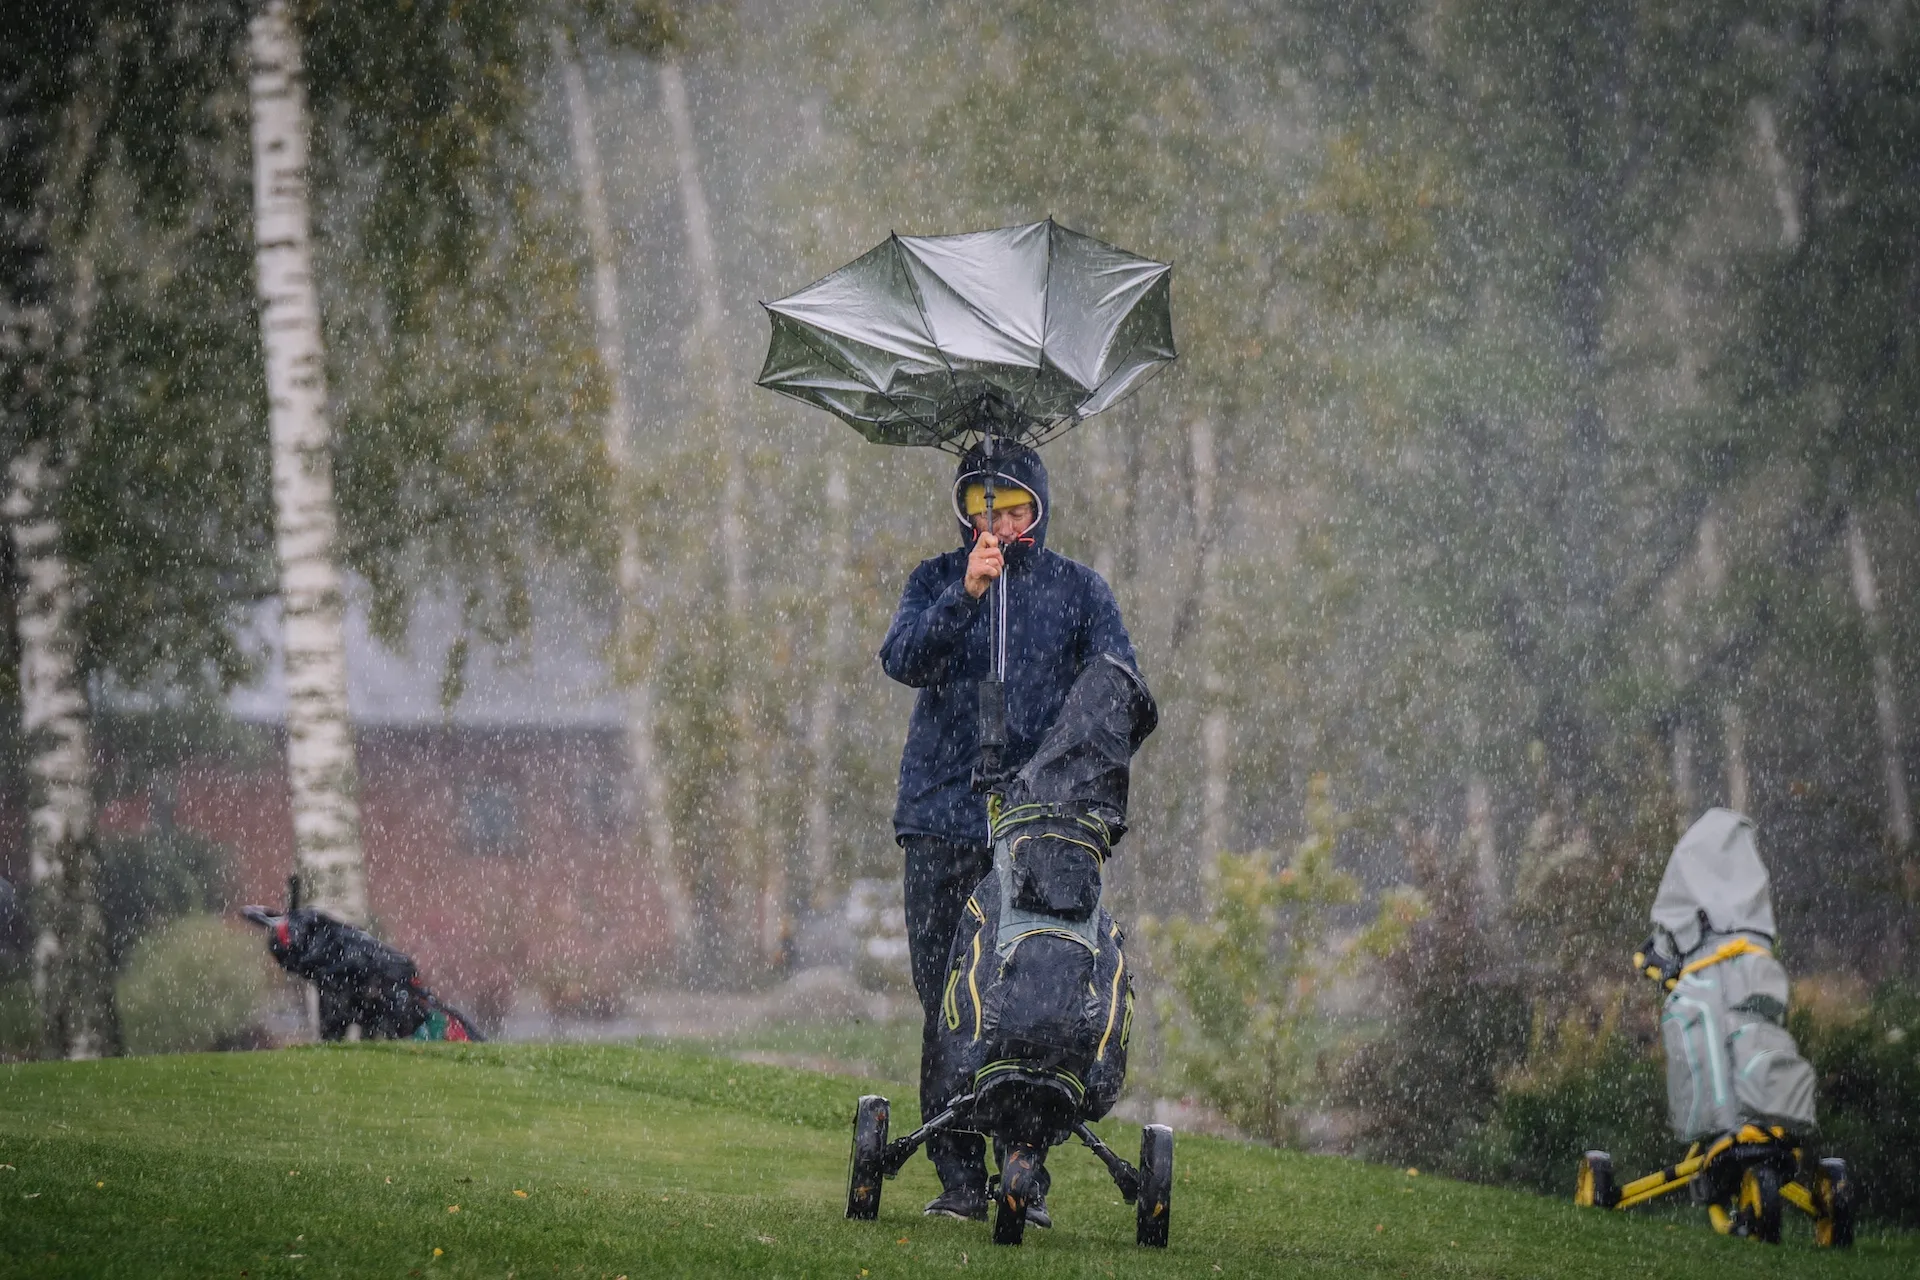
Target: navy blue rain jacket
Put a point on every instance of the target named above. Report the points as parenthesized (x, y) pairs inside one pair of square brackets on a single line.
[(1061, 616)]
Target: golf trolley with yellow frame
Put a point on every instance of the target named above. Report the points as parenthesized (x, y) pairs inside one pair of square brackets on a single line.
[(1738, 1090)]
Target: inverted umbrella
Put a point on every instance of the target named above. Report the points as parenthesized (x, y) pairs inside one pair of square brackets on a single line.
[(1015, 334), (1010, 335)]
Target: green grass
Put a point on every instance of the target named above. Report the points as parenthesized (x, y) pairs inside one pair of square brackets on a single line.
[(887, 1049), (651, 1161)]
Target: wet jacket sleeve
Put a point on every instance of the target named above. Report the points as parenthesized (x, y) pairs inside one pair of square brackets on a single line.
[(1103, 631), (928, 629)]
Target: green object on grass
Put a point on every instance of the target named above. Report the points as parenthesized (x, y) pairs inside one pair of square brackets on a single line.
[(652, 1162)]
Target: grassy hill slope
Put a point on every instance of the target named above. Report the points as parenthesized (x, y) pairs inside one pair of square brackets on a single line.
[(417, 1160)]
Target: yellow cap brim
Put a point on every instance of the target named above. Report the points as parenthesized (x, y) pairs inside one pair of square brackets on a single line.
[(974, 500)]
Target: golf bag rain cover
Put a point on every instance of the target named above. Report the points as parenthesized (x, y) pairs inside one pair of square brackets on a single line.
[(1037, 974), (361, 980), (1730, 1060), (1020, 990)]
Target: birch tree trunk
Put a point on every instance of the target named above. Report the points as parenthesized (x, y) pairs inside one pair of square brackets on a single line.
[(1216, 727), (320, 753), (1886, 701), (823, 736), (647, 786), (72, 977), (1733, 721), (705, 360), (1479, 825)]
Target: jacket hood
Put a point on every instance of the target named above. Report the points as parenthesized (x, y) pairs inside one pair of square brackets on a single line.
[(1715, 884), (1014, 466)]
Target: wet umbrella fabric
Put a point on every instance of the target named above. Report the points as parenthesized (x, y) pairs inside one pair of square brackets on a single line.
[(1021, 332)]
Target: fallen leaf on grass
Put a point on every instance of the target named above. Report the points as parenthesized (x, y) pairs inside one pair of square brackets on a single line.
[(98, 1185), (517, 1191), (453, 1208)]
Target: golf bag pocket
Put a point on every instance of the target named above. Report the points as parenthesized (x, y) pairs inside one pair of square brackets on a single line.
[(1755, 984), (1772, 1083), (1055, 875), (1039, 1005), (1699, 1093), (1113, 989)]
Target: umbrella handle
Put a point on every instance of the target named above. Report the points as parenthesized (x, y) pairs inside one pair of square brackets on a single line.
[(993, 689)]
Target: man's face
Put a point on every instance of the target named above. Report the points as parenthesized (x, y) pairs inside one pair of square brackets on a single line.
[(1008, 522)]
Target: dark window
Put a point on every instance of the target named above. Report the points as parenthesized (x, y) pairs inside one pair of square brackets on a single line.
[(490, 813), (600, 804)]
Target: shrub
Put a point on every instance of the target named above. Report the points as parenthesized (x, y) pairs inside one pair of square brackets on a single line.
[(19, 1021), (193, 986), (1457, 1018), (156, 876), (1241, 1030), (1581, 1088), (1869, 1094)]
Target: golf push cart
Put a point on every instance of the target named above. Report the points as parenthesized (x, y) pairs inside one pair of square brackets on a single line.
[(976, 344), (1038, 1004), (360, 980), (1737, 1088)]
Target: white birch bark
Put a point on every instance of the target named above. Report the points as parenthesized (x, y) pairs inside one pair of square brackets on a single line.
[(1216, 727), (1886, 701), (1685, 792), (1767, 139), (320, 754), (1733, 721), (1479, 815), (647, 786), (704, 359), (823, 736), (72, 980)]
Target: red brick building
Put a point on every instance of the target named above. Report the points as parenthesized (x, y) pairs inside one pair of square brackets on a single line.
[(499, 853)]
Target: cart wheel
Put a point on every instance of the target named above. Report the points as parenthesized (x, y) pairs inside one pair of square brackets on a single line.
[(1154, 1206), (1758, 1206), (866, 1166), (1018, 1177), (1833, 1229), (1593, 1185)]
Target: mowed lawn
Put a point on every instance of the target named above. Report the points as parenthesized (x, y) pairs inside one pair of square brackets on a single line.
[(606, 1161)]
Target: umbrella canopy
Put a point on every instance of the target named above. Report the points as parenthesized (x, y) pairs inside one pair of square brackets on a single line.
[(931, 340)]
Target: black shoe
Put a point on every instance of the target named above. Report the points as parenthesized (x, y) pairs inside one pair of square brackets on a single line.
[(968, 1204), (1037, 1215)]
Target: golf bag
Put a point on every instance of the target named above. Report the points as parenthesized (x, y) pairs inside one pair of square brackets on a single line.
[(360, 979), (1738, 1091), (1730, 1061), (1038, 1003)]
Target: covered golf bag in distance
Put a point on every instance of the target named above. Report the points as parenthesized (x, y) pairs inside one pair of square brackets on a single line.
[(360, 980), (1038, 1002), (1730, 1061)]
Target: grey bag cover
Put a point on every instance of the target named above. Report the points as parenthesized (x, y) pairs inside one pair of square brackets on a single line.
[(1730, 1060), (1716, 869)]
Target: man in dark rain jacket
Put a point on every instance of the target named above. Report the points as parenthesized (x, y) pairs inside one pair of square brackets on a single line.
[(1061, 616)]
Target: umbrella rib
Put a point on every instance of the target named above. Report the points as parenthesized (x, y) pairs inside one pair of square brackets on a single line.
[(828, 356), (920, 304), (1046, 310)]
